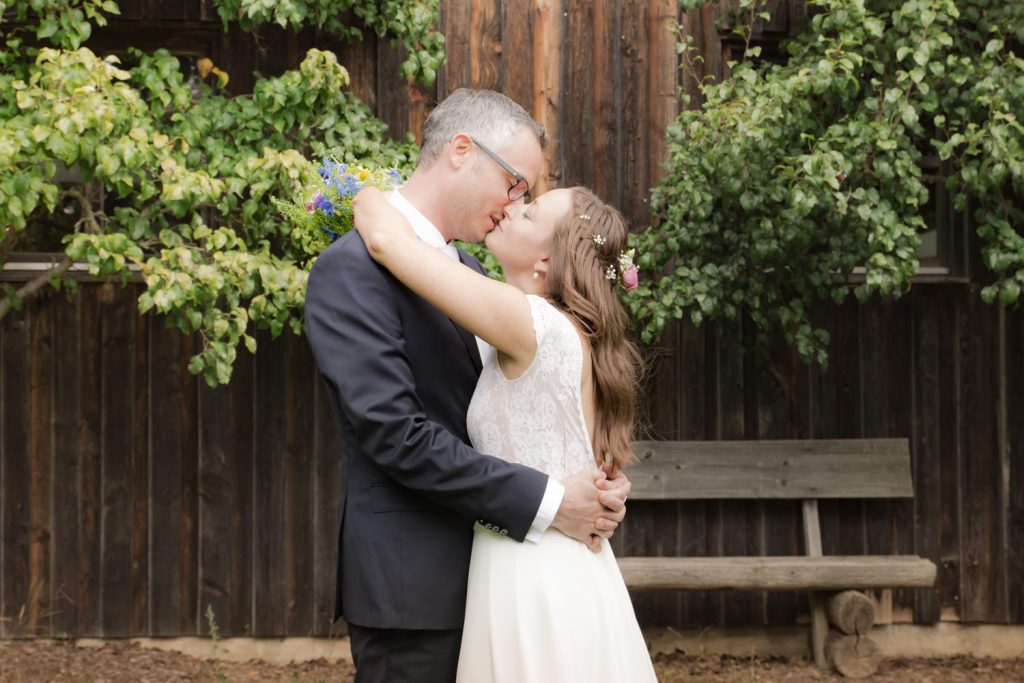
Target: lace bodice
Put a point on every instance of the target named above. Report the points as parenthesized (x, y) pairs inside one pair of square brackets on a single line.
[(536, 419)]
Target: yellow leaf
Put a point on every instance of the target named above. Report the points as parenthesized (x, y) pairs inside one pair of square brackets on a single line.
[(204, 65), (222, 77)]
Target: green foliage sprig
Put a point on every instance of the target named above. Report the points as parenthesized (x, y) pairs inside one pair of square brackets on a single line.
[(410, 22), (791, 175), (188, 173), (67, 23)]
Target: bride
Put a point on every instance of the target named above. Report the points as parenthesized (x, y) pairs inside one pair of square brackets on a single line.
[(556, 393)]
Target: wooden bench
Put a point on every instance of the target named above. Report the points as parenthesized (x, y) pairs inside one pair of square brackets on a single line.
[(804, 470)]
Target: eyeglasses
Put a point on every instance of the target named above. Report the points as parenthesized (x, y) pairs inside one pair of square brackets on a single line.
[(521, 190)]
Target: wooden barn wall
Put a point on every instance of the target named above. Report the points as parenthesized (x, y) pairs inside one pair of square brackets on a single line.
[(133, 497)]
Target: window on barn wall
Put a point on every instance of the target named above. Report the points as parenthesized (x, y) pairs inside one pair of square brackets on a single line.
[(941, 253)]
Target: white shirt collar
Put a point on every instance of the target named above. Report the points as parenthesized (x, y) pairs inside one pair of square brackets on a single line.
[(421, 225)]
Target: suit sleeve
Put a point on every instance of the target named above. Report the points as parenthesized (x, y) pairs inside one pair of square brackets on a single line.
[(354, 328)]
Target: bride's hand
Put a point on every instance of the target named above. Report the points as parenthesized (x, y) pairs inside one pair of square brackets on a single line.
[(589, 512), (374, 216)]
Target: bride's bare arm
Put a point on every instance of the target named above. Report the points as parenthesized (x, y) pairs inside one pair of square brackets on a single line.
[(494, 311)]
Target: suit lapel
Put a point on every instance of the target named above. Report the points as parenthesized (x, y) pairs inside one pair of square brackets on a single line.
[(467, 338)]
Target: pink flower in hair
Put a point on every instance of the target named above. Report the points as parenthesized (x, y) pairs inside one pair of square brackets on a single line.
[(630, 278)]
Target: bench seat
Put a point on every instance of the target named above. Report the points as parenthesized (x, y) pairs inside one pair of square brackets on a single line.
[(777, 573)]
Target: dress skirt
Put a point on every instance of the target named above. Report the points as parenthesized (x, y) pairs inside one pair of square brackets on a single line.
[(548, 612)]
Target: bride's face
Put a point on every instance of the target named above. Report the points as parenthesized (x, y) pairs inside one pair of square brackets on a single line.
[(523, 237)]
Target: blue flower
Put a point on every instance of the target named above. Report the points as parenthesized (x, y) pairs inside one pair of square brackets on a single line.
[(347, 186), (331, 168), (396, 177), (324, 204)]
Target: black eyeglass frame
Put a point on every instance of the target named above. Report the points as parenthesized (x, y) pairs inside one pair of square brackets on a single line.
[(525, 194)]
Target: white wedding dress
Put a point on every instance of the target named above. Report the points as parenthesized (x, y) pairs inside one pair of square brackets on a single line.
[(548, 612)]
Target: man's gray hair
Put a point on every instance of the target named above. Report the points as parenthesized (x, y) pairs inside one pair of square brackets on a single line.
[(488, 116)]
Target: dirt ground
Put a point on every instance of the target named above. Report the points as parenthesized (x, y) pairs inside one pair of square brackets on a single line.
[(31, 661)]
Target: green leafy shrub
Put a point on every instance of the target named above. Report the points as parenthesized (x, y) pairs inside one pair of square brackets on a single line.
[(187, 173), (791, 175)]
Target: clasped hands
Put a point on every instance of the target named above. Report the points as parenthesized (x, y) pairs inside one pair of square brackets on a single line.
[(593, 506)]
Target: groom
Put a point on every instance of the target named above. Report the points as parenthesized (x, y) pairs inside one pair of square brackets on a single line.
[(400, 376)]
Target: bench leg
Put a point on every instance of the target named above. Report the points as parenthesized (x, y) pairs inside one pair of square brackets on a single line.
[(819, 629)]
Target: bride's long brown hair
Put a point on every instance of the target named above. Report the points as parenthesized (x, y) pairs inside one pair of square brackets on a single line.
[(586, 242)]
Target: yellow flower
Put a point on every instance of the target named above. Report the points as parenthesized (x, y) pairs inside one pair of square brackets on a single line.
[(363, 175)]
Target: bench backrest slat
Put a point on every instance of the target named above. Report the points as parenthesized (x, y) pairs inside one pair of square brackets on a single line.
[(789, 469)]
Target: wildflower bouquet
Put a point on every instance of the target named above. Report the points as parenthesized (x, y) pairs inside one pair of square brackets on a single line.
[(325, 212)]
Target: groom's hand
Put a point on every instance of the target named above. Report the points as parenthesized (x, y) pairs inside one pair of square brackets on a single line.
[(590, 512)]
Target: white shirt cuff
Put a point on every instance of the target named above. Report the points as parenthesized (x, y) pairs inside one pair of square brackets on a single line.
[(549, 505)]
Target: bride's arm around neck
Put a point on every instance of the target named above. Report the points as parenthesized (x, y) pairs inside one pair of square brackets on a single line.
[(495, 311)]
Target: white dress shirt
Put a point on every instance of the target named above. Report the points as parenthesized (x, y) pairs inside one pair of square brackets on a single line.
[(427, 232)]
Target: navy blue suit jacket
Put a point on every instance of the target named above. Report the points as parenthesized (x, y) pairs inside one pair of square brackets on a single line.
[(400, 375)]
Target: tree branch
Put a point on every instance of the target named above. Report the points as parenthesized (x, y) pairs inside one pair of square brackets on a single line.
[(89, 221), (34, 285)]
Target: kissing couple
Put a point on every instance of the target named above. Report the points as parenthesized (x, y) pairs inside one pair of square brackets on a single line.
[(462, 399)]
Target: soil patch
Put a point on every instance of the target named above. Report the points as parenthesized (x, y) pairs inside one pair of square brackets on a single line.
[(31, 661)]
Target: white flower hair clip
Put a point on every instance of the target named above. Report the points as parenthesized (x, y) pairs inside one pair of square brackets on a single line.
[(625, 270), (584, 217), (598, 240)]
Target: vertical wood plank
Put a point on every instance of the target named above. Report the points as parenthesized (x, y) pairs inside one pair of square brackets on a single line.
[(663, 82), (606, 101), (876, 351), (485, 64), (173, 608), (392, 95), (359, 57), (16, 474), (239, 55), (947, 522), (899, 383), (517, 68), (117, 306), (225, 502), (298, 472), (269, 499), (634, 97), (170, 10), (90, 593), (188, 565), (40, 462), (694, 389), (849, 523), (140, 477), (658, 524), (548, 51), (327, 487), (131, 10), (578, 118), (1014, 373), (65, 568), (982, 581), (778, 371), (455, 21), (737, 520), (928, 502)]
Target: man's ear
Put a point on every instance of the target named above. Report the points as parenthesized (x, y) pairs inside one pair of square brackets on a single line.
[(460, 150)]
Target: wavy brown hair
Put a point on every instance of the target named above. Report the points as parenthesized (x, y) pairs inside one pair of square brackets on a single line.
[(578, 285)]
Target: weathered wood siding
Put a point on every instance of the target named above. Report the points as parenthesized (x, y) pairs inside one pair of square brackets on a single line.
[(132, 497)]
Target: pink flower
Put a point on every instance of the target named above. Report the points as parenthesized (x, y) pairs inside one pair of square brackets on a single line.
[(631, 278), (309, 207)]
